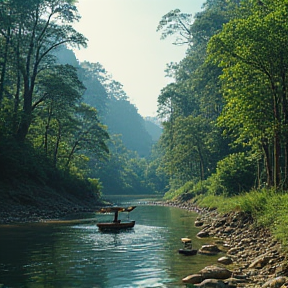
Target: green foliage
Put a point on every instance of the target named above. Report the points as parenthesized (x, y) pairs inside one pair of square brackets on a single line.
[(211, 201), (189, 106), (234, 174), (175, 22), (175, 194), (268, 208), (253, 202), (95, 186), (94, 76), (22, 165), (124, 173), (47, 134), (252, 51), (19, 162), (188, 191)]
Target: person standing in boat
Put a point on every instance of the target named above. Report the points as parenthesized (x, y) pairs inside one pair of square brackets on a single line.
[(116, 217)]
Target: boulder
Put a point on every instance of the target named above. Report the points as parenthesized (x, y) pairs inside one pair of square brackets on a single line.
[(233, 251), (212, 283), (209, 249), (215, 272), (260, 261), (235, 281), (225, 260), (198, 223), (276, 282), (203, 234), (193, 279)]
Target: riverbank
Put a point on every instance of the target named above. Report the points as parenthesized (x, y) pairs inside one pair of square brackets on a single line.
[(42, 204), (257, 259)]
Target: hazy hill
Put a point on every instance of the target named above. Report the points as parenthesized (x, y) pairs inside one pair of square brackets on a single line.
[(119, 115), (123, 118), (153, 128)]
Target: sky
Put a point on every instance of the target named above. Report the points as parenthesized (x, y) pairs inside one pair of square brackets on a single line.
[(122, 37)]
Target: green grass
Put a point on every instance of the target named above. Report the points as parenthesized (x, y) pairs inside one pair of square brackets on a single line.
[(174, 194), (268, 208)]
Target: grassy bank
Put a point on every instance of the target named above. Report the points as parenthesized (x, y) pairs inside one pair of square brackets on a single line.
[(268, 207)]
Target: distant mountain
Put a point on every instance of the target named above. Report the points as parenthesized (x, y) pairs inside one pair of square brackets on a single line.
[(121, 117), (152, 125)]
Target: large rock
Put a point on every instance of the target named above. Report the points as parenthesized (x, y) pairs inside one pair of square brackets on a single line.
[(215, 272), (213, 283), (260, 261), (193, 279), (276, 282), (198, 223), (235, 281), (203, 234), (225, 260), (209, 249)]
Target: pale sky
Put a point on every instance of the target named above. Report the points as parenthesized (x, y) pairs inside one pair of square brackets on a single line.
[(122, 37)]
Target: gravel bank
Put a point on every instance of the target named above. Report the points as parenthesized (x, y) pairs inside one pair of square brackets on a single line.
[(45, 205), (256, 255)]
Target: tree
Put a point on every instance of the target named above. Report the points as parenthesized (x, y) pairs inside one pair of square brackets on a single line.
[(90, 135), (194, 143), (175, 22), (234, 174), (93, 76), (36, 27), (257, 45), (191, 105), (59, 93)]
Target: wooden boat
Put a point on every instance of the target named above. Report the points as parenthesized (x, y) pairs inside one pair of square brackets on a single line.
[(187, 251), (116, 224)]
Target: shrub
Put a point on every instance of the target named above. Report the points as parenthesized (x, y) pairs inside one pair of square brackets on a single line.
[(234, 174)]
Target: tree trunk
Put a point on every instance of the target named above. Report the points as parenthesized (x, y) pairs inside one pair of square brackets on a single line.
[(277, 152), (57, 144), (4, 64), (267, 165)]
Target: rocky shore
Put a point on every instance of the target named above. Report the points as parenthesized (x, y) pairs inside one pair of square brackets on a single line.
[(253, 258), (33, 207)]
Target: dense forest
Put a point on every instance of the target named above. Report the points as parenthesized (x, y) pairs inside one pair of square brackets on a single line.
[(225, 116), (69, 126), (65, 127)]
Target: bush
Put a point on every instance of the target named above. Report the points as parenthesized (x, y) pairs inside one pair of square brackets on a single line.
[(174, 194), (20, 162), (188, 191), (234, 174)]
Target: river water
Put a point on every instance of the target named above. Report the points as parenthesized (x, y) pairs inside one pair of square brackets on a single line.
[(52, 255)]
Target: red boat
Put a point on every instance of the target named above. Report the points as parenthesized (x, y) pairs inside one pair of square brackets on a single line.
[(116, 224)]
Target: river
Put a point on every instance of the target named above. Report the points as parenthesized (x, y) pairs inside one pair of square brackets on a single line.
[(65, 255)]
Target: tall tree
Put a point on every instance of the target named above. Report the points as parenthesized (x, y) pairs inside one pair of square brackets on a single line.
[(36, 28), (194, 95), (257, 44)]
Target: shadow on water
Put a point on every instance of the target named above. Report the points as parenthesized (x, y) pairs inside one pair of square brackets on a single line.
[(79, 255)]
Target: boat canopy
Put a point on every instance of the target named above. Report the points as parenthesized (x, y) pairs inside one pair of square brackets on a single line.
[(116, 209)]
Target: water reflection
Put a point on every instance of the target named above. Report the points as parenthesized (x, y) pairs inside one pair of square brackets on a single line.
[(78, 255)]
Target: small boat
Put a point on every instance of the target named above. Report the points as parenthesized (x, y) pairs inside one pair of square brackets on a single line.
[(116, 224), (187, 251)]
